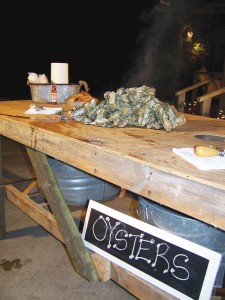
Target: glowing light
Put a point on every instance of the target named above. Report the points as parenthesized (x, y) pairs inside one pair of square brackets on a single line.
[(189, 36), (198, 49)]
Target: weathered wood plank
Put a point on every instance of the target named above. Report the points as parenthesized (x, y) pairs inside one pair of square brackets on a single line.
[(74, 243), (129, 281), (180, 102), (2, 198), (192, 87), (29, 188), (35, 211), (211, 94), (218, 294), (137, 286), (102, 265), (1, 166), (122, 193), (140, 145), (2, 212), (149, 168)]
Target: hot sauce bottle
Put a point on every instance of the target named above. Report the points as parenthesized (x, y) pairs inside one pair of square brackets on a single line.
[(54, 93)]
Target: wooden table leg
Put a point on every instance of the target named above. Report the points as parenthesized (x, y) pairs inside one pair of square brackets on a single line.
[(2, 198), (2, 212), (78, 252)]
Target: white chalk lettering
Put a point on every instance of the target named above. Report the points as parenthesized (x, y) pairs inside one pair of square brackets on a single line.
[(141, 241), (180, 267), (100, 218), (135, 239), (121, 240), (161, 255), (111, 231), (140, 248)]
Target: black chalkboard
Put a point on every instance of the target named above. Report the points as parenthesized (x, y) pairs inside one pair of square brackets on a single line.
[(153, 254)]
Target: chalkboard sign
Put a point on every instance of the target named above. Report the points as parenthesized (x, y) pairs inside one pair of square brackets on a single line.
[(182, 268)]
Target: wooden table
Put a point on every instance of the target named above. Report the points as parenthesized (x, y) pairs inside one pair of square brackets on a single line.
[(137, 159)]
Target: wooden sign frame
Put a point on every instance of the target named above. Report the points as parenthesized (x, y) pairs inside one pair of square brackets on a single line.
[(181, 268)]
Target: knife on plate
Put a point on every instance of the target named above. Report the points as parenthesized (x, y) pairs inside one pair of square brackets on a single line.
[(208, 151)]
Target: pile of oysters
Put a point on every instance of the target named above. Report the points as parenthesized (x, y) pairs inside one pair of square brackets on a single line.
[(136, 106)]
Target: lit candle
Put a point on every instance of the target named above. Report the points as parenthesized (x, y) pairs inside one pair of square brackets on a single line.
[(60, 73)]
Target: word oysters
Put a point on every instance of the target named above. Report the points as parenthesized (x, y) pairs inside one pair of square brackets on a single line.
[(130, 107)]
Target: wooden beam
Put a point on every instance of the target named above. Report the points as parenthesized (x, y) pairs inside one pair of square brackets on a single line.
[(72, 237), (30, 187), (137, 286), (211, 94), (129, 281), (2, 197), (2, 212), (192, 87), (180, 102), (35, 211), (205, 107), (102, 265), (122, 193)]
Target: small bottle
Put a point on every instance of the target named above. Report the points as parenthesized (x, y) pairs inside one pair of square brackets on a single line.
[(54, 93)]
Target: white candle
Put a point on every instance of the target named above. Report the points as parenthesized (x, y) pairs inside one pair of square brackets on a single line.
[(60, 73)]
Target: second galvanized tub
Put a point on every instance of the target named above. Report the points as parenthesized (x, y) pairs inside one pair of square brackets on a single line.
[(78, 187), (186, 227)]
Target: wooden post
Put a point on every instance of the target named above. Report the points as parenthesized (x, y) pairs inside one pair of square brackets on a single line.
[(68, 229), (1, 166), (181, 94), (205, 107), (2, 212), (180, 102), (222, 97), (2, 197), (194, 93)]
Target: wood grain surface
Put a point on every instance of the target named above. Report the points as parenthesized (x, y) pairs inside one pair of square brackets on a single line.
[(137, 159)]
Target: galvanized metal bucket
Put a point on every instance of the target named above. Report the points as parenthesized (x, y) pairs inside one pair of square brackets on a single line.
[(186, 227), (78, 187), (41, 92)]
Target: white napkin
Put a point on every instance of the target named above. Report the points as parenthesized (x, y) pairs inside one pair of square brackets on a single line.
[(202, 163), (35, 78), (35, 109)]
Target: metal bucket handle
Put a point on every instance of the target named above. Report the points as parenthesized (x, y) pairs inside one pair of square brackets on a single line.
[(84, 83)]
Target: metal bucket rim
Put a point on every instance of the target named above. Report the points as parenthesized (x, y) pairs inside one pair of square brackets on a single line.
[(46, 84), (166, 210)]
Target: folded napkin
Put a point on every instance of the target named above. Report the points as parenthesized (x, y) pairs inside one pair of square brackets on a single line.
[(202, 163), (35, 109)]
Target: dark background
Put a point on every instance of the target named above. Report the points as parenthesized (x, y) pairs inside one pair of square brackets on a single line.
[(107, 44), (96, 38)]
